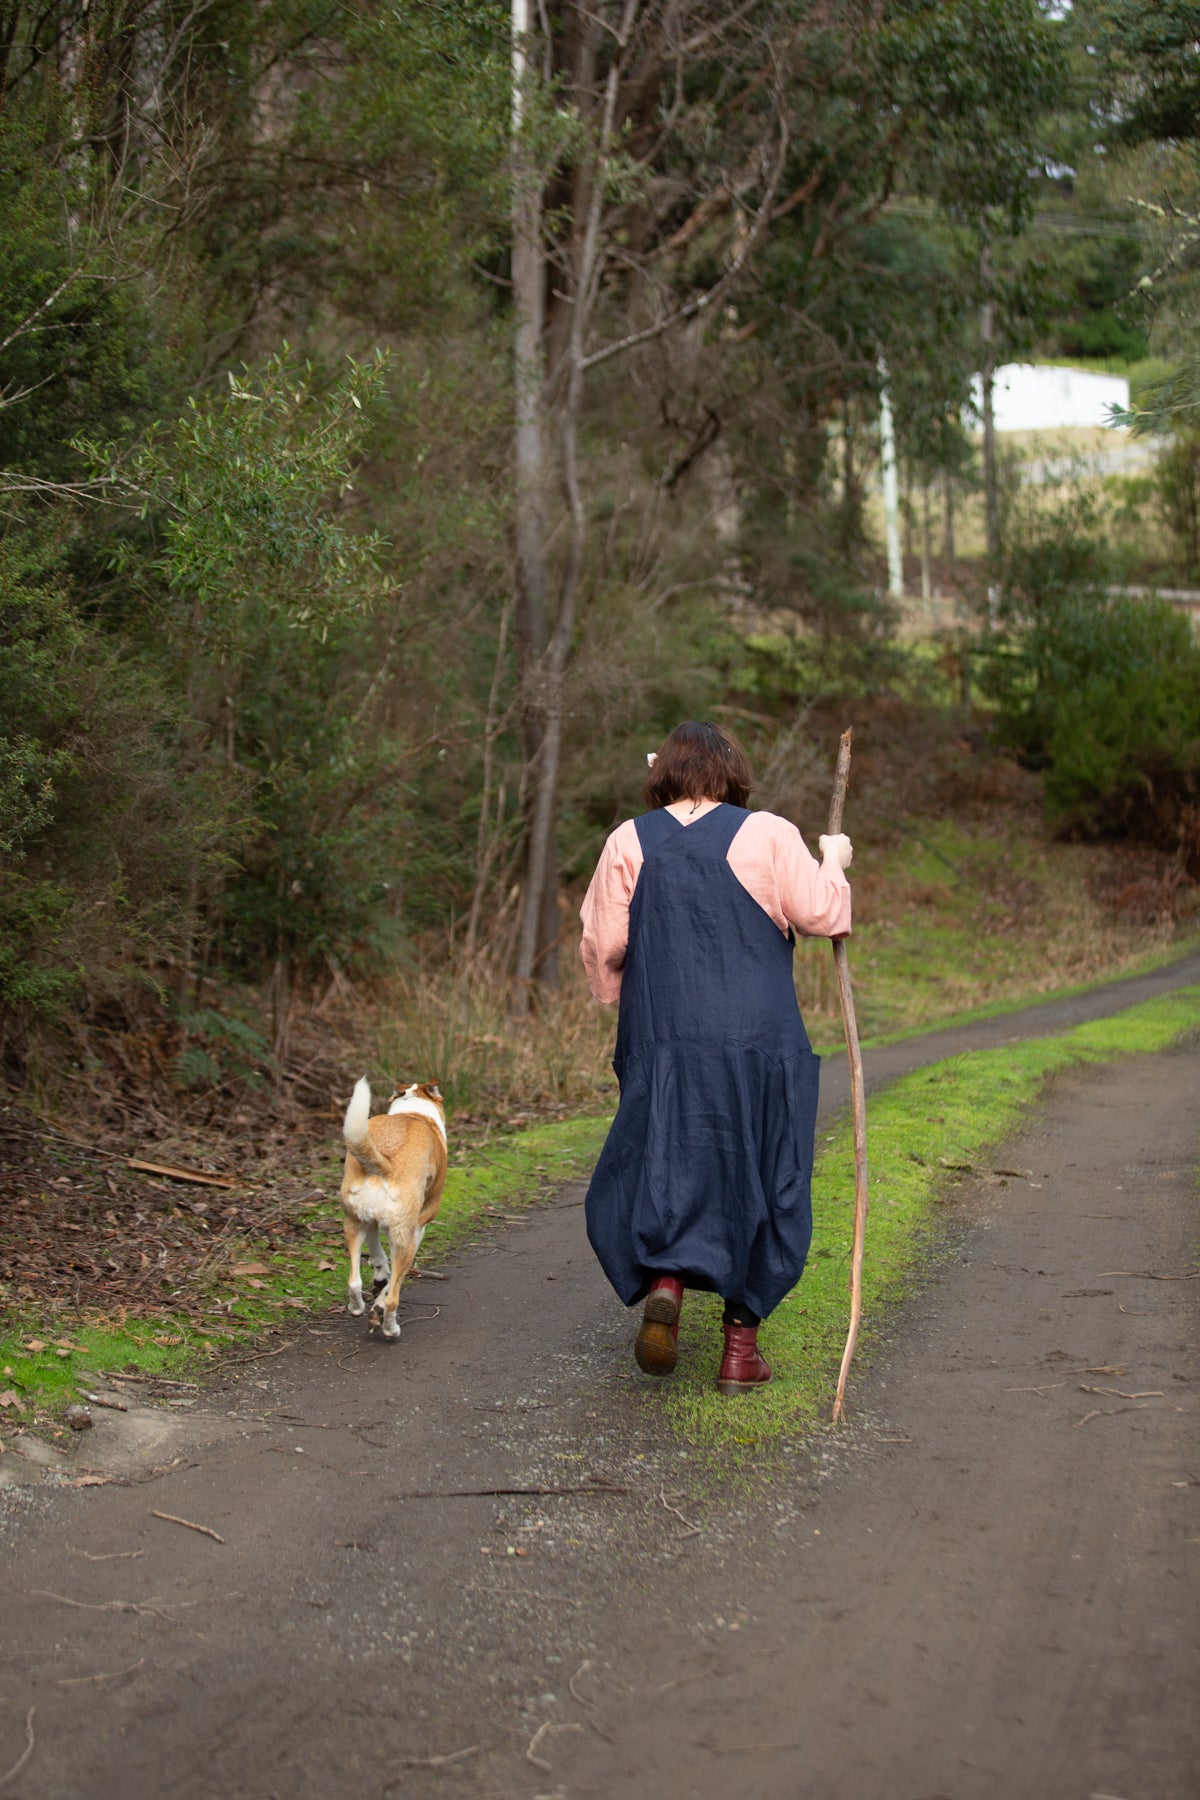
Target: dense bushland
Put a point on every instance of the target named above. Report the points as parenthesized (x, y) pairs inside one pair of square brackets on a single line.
[(314, 676)]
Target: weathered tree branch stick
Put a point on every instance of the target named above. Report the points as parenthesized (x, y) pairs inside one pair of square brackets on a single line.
[(858, 1105), (174, 1519)]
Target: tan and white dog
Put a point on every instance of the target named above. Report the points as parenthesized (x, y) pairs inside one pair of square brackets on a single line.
[(394, 1175)]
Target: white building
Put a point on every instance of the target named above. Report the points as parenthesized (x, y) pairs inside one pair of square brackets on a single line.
[(1029, 397)]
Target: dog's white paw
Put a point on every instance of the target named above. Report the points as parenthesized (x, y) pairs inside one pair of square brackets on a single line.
[(354, 1305), (384, 1322)]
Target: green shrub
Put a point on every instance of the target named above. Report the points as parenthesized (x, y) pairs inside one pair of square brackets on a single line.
[(1102, 691), (1124, 753)]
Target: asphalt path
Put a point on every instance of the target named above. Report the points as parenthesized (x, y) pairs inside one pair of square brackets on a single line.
[(983, 1587)]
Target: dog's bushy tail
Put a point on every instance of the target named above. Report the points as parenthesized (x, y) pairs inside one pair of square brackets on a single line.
[(356, 1133)]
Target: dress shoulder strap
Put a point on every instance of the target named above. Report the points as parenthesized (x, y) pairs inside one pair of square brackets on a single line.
[(654, 829), (726, 822), (709, 836)]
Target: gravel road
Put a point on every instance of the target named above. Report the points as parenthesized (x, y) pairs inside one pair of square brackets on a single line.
[(984, 1587)]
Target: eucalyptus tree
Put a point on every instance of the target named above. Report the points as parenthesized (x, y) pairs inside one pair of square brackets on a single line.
[(659, 145)]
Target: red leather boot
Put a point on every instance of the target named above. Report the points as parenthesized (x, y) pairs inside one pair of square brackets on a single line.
[(658, 1336), (742, 1368)]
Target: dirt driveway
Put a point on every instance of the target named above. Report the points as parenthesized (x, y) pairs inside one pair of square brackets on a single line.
[(983, 1588)]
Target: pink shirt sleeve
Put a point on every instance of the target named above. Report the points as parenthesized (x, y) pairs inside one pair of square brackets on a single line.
[(769, 858), (772, 862), (605, 912)]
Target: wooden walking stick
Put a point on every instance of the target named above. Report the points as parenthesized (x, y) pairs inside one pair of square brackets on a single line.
[(858, 1104)]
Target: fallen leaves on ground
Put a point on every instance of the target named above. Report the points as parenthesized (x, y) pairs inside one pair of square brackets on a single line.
[(79, 1229)]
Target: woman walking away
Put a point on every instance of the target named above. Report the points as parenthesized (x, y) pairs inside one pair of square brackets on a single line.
[(704, 1181)]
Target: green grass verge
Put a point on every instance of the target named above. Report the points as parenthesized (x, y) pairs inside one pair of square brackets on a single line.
[(255, 1288), (919, 1130), (1158, 958)]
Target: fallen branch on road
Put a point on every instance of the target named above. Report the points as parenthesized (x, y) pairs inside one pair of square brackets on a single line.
[(431, 1762), (542, 1731), (174, 1519), (496, 1492), (1149, 1275), (83, 1680)]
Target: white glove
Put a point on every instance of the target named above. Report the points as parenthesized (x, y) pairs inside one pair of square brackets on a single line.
[(836, 849)]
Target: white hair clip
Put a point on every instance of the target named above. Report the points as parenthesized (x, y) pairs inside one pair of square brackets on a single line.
[(651, 758)]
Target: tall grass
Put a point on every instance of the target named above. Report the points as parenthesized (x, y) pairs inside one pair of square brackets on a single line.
[(457, 1027)]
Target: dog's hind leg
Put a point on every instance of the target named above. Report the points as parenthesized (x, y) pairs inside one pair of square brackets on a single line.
[(380, 1266), (386, 1304), (356, 1232)]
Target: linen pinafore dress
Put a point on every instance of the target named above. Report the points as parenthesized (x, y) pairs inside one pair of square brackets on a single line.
[(707, 1168)]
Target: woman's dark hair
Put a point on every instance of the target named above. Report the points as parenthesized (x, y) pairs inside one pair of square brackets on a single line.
[(699, 762)]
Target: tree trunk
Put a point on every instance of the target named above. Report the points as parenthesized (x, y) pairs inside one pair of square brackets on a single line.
[(537, 929), (532, 578)]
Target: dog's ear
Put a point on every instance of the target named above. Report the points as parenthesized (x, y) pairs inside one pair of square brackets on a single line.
[(433, 1090)]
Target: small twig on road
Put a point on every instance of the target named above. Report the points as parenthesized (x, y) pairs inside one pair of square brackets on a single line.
[(174, 1519), (679, 1681), (231, 1362), (110, 1556), (589, 1706), (103, 1400), (1106, 1412), (1145, 1394), (153, 1380), (430, 1762), (132, 1606), (26, 1753), (83, 1680), (1149, 1275), (750, 1749), (497, 1492), (692, 1530), (542, 1731), (581, 1670), (1044, 1389)]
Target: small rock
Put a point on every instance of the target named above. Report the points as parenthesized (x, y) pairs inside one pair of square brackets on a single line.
[(79, 1418)]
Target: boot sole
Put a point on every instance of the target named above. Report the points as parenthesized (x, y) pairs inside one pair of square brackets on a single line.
[(661, 1308), (654, 1351), (741, 1387)]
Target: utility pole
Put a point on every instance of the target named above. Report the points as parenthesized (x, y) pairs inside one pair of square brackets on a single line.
[(987, 371), (891, 487)]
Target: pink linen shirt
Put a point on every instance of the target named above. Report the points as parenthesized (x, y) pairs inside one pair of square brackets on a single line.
[(769, 858)]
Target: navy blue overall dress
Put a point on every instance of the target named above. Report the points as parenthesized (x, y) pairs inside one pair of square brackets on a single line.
[(706, 1171)]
